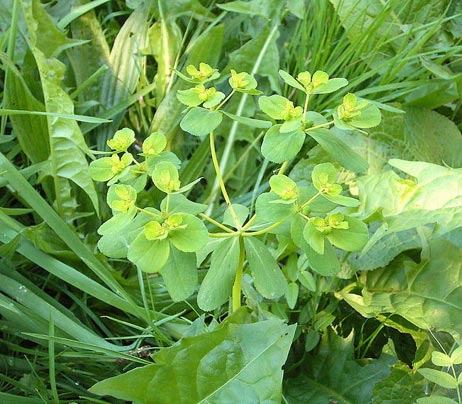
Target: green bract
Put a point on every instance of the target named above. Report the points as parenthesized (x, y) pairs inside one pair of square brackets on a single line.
[(354, 113), (153, 145), (110, 168), (284, 187), (122, 140), (165, 177), (121, 198), (243, 82), (198, 95), (203, 74), (318, 83), (200, 121)]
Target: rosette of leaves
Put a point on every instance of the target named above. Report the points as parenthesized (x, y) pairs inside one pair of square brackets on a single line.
[(284, 140), (316, 217)]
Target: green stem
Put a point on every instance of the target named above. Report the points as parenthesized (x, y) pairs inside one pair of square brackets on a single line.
[(149, 213), (237, 286), (167, 203), (213, 221), (310, 200), (224, 192), (263, 231), (240, 109), (322, 125), (225, 100), (283, 167), (305, 107)]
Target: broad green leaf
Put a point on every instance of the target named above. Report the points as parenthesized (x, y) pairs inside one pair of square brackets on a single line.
[(273, 106), (30, 130), (436, 400), (405, 204), (441, 359), (119, 221), (279, 147), (334, 374), (292, 294), (402, 386), (268, 277), (307, 280), (148, 255), (254, 123), (343, 200), (427, 294), (200, 121), (369, 118), (326, 264), (101, 169), (352, 239), (119, 232), (314, 237), (180, 274), (240, 359), (291, 125), (297, 8), (338, 149), (331, 86), (180, 204), (432, 137), (272, 212), (217, 285), (288, 79), (241, 211), (385, 250), (130, 386), (67, 145), (193, 237), (439, 377), (456, 356)]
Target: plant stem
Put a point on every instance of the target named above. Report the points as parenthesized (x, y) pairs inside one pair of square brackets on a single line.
[(232, 133), (263, 231), (225, 100), (305, 107), (237, 286), (310, 200), (224, 192), (322, 125), (283, 167), (218, 224), (149, 213)]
